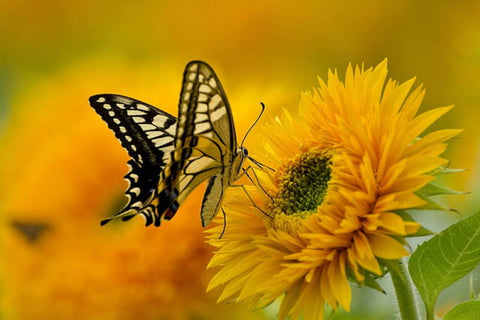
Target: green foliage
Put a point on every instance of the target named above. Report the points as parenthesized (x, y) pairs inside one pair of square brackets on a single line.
[(445, 258), (432, 189), (469, 310), (422, 231), (370, 280)]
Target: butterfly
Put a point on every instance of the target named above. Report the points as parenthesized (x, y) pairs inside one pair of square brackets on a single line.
[(31, 231), (171, 156)]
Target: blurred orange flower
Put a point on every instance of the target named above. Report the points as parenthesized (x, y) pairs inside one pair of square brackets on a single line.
[(62, 174)]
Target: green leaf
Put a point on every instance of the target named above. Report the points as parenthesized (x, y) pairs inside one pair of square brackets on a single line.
[(369, 281), (422, 231), (464, 311), (431, 204), (445, 258), (451, 170), (432, 189)]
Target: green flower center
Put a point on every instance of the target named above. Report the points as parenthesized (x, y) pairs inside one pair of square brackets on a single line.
[(303, 184)]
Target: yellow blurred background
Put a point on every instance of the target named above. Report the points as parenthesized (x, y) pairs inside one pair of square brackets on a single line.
[(61, 167)]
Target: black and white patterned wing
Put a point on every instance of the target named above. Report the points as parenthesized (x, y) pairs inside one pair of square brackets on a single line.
[(205, 141), (204, 111), (147, 134)]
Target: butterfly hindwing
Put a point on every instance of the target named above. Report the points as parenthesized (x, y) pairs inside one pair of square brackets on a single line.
[(147, 134), (213, 196)]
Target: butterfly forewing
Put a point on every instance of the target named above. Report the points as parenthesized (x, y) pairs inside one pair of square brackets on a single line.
[(205, 140), (203, 96), (147, 134)]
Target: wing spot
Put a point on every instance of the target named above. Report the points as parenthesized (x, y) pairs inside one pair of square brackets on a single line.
[(117, 121), (162, 141), (122, 129), (215, 101), (202, 107), (183, 107), (204, 88), (121, 105), (193, 67), (202, 97), (160, 121), (138, 119), (217, 114), (154, 134), (111, 113), (137, 204), (180, 131), (143, 107), (201, 117), (134, 112), (212, 82), (171, 130), (134, 147), (106, 106), (101, 99), (197, 164), (201, 127), (128, 138), (147, 127), (135, 190)]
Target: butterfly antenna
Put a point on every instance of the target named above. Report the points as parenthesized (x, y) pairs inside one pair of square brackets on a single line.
[(258, 164), (254, 123)]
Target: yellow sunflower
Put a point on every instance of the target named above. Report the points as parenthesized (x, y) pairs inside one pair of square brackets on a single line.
[(347, 165)]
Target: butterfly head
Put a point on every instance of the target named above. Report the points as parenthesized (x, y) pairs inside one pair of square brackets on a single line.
[(244, 152), (237, 164)]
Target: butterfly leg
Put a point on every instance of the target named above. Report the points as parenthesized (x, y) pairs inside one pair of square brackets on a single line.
[(257, 181), (254, 203), (260, 165), (250, 198), (224, 223)]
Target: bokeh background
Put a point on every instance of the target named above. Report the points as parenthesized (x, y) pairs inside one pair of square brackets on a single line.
[(61, 168)]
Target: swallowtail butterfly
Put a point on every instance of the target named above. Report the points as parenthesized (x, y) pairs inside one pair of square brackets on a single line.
[(169, 156)]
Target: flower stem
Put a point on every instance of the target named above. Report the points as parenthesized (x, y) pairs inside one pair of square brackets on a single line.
[(407, 303)]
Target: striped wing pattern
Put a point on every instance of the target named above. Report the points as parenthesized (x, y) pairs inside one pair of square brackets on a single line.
[(147, 134), (205, 141), (169, 157)]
